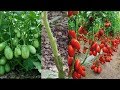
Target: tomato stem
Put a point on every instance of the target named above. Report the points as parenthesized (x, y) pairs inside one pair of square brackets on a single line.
[(57, 57), (85, 57)]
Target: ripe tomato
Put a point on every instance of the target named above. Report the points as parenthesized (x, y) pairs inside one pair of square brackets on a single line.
[(75, 43), (71, 51), (91, 52), (95, 69), (76, 75), (81, 30), (103, 42), (72, 34), (101, 45), (83, 73), (105, 50), (107, 24), (94, 53), (94, 45), (93, 66), (70, 13), (80, 71), (98, 48), (77, 64), (107, 59), (83, 68), (70, 60), (99, 69)]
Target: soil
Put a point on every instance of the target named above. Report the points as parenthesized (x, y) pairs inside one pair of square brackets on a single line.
[(33, 74)]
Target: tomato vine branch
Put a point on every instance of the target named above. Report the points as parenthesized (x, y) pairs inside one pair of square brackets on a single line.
[(57, 57)]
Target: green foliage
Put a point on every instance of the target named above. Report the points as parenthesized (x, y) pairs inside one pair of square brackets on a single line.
[(99, 17), (18, 28)]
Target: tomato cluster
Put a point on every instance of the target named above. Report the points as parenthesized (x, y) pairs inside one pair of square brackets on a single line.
[(73, 47), (107, 46), (101, 45), (79, 70), (96, 67)]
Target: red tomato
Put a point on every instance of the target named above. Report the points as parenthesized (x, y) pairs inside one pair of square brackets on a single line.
[(103, 42), (80, 71), (81, 30), (91, 52), (107, 24), (83, 73), (93, 66), (94, 45), (99, 69), (75, 43), (72, 33), (94, 53), (70, 60), (70, 13), (102, 45), (105, 50), (98, 48), (77, 64), (76, 75), (107, 59), (71, 51), (95, 69), (83, 68)]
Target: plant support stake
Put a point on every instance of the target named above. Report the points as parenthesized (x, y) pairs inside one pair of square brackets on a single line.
[(56, 55)]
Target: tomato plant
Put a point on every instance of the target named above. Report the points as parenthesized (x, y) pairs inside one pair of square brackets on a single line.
[(92, 33), (20, 40)]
